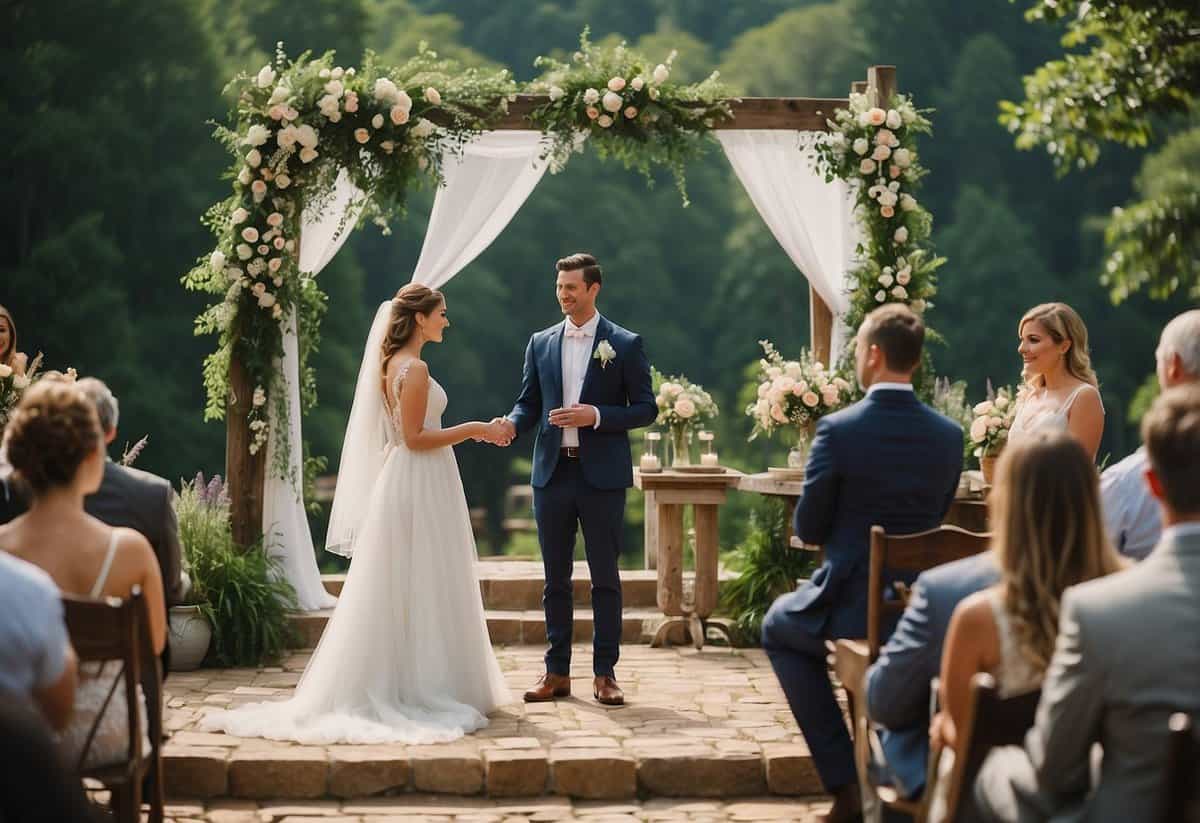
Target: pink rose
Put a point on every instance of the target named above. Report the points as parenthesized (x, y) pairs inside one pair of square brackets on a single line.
[(867, 166), (351, 102), (362, 135), (810, 399), (279, 243), (876, 117), (830, 395), (399, 115), (631, 112), (616, 84), (685, 408), (979, 429), (592, 112), (881, 153), (894, 171), (777, 413), (250, 234)]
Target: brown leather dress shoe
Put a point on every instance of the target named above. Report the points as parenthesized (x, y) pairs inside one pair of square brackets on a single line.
[(607, 692), (548, 687)]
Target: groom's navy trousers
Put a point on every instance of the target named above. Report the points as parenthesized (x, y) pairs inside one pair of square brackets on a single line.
[(566, 501), (587, 490)]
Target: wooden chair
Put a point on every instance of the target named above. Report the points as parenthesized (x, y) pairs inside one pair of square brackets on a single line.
[(991, 721), (111, 629), (1183, 768), (911, 553)]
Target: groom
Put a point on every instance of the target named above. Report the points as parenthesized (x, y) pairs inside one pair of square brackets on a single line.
[(586, 384)]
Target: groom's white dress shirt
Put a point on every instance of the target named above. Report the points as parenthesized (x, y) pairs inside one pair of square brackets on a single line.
[(576, 352)]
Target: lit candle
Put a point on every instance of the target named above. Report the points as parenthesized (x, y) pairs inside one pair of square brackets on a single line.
[(709, 459), (650, 463)]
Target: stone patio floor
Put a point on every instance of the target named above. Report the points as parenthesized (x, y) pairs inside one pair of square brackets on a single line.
[(711, 723)]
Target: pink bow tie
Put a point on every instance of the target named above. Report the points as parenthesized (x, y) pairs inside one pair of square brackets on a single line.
[(580, 333)]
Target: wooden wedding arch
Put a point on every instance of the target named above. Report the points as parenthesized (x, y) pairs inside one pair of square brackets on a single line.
[(246, 472)]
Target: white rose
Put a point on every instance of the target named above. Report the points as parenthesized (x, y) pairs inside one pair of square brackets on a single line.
[(637, 83), (887, 198), (256, 135), (307, 155), (266, 300), (403, 100), (886, 280), (274, 264), (1001, 401), (280, 94), (266, 76), (984, 407), (901, 235), (902, 158), (254, 158), (244, 252), (239, 215), (979, 429), (282, 181), (685, 408), (860, 146), (244, 176), (335, 88), (433, 96), (422, 128), (881, 153), (217, 260), (661, 73), (591, 97), (864, 119), (556, 94), (907, 202), (287, 137), (616, 83), (604, 121), (867, 166), (21, 381), (917, 305), (893, 186), (894, 121), (904, 276), (277, 311), (611, 101), (307, 136), (385, 90), (900, 293), (5, 370)]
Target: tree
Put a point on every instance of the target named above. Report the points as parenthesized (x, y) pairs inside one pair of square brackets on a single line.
[(1142, 67)]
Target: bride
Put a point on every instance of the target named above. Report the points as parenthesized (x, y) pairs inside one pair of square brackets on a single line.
[(406, 655)]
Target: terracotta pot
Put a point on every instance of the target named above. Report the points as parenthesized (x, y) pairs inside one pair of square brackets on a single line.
[(987, 465)]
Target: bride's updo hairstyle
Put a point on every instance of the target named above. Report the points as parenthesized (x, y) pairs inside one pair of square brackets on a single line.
[(52, 430), (410, 301), (1062, 322)]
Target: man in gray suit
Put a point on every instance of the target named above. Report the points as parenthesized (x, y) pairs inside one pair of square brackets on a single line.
[(1126, 659), (136, 499), (898, 682)]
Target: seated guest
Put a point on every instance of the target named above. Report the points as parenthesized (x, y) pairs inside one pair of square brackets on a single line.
[(37, 663), (135, 499), (898, 682), (9, 356), (1048, 535), (56, 449), (1130, 510), (889, 461), (1125, 660), (1061, 390)]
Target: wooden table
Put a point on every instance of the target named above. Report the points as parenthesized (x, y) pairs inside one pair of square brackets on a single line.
[(789, 487), (666, 495)]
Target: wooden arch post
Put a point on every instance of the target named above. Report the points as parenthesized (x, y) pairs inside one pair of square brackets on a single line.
[(246, 473)]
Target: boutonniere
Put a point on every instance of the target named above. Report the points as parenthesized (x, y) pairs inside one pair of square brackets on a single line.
[(604, 353)]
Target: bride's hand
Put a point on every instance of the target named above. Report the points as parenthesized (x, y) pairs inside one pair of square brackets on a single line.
[(495, 433)]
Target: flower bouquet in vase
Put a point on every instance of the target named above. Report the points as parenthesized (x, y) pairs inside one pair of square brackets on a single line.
[(792, 396), (989, 430), (682, 406)]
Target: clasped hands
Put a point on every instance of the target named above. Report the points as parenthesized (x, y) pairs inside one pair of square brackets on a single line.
[(501, 431)]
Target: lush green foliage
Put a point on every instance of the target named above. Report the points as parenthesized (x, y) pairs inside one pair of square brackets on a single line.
[(238, 590)]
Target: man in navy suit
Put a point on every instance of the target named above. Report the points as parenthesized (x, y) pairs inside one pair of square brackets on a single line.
[(889, 461), (586, 383), (898, 682)]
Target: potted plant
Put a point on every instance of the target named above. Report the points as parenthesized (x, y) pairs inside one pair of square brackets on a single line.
[(238, 603)]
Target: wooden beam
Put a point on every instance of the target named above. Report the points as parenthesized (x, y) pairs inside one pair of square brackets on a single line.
[(820, 326), (244, 472), (802, 113), (881, 83)]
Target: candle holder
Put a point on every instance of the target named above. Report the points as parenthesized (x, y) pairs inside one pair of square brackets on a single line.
[(650, 462), (708, 451)]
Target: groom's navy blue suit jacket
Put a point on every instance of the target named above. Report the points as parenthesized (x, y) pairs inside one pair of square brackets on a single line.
[(620, 390), (888, 461)]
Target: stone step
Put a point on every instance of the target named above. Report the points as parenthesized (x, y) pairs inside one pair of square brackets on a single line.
[(200, 766), (517, 584), (505, 626)]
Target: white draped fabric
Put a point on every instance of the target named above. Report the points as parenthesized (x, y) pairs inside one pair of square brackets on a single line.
[(285, 524), (485, 186), (811, 219)]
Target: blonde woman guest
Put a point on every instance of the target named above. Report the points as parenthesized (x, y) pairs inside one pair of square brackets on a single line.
[(1049, 535), (9, 356), (1061, 390), (57, 451)]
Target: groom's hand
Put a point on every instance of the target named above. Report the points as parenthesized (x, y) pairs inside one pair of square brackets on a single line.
[(574, 417), (502, 431)]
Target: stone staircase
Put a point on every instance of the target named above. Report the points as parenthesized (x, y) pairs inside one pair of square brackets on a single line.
[(512, 600)]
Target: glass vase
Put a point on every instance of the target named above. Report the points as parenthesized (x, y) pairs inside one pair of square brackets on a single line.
[(798, 454), (681, 446)]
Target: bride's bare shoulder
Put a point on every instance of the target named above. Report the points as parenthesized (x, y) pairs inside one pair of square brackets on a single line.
[(404, 369)]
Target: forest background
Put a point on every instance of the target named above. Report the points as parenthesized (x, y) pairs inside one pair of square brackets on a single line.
[(110, 165)]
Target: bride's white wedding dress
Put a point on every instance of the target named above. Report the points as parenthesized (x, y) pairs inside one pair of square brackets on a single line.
[(406, 655)]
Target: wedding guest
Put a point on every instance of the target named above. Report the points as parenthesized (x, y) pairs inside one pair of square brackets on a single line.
[(1049, 535), (9, 356), (1125, 660), (890, 461), (1131, 512), (136, 499), (37, 785), (1061, 390), (57, 450)]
